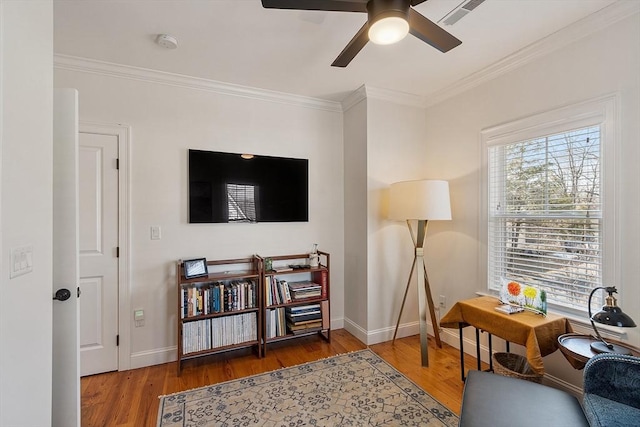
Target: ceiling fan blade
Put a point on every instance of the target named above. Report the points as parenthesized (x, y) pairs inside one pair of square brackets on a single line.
[(417, 2), (430, 32), (355, 45), (330, 5)]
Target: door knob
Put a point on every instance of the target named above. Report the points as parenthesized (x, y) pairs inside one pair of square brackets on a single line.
[(62, 294)]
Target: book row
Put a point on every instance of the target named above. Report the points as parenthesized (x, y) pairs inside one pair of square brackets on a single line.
[(283, 292), (206, 334), (283, 321), (218, 297)]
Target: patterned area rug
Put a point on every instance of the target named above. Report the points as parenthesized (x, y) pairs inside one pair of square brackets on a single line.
[(354, 389)]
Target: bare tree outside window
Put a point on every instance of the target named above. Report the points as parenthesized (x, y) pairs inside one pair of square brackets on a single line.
[(545, 219)]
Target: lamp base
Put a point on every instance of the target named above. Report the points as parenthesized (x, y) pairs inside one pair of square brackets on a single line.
[(600, 347)]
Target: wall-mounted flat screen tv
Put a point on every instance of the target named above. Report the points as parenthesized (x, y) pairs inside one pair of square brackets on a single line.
[(228, 187)]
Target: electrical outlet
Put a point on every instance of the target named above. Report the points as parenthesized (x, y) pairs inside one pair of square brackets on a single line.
[(443, 301)]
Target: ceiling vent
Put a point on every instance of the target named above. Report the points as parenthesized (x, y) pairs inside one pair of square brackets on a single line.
[(460, 12)]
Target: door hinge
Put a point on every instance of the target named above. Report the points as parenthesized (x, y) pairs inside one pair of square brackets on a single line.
[(118, 252), (118, 164), (117, 340)]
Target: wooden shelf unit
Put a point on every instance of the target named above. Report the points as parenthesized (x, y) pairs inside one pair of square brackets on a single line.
[(202, 333), (319, 275)]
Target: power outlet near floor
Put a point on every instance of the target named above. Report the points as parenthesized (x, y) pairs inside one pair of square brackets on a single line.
[(443, 301)]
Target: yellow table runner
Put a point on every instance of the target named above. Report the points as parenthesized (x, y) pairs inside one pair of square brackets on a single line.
[(537, 333)]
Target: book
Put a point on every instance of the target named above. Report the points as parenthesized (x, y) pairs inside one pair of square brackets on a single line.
[(306, 325), (303, 322), (323, 283), (306, 331), (304, 289), (326, 321), (304, 318), (303, 285), (304, 310), (302, 314), (281, 269), (509, 309)]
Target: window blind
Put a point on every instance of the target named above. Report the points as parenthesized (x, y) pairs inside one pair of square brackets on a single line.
[(545, 215)]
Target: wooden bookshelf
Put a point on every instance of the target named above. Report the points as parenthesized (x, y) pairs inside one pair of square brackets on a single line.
[(289, 313), (221, 311)]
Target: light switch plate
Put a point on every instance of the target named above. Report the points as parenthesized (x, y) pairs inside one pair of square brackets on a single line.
[(138, 316), (21, 261), (155, 232)]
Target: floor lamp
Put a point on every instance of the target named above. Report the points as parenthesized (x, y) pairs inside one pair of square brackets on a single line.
[(424, 201)]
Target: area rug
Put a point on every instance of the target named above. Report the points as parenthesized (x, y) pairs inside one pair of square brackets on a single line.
[(354, 389)]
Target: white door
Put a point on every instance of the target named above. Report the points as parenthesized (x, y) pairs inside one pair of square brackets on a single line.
[(65, 410), (98, 189)]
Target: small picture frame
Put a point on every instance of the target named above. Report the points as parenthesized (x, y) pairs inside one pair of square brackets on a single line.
[(195, 268)]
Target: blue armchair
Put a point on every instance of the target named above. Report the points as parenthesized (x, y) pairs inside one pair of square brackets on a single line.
[(611, 398), (612, 390)]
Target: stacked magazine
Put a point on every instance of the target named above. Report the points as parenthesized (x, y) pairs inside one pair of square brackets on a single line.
[(304, 318)]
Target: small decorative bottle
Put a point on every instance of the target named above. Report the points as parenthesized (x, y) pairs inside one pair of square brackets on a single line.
[(314, 257)]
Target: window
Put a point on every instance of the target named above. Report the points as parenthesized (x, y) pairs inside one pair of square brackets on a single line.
[(241, 203), (545, 195)]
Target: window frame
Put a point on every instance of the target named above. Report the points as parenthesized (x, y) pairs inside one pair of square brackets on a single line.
[(600, 111)]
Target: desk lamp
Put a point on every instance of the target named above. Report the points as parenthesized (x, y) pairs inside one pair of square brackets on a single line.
[(422, 200), (611, 315)]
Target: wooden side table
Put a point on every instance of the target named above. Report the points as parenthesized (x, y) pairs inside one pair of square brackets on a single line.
[(538, 334), (576, 348)]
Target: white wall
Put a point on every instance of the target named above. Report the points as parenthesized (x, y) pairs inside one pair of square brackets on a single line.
[(397, 151), (167, 120), (26, 37), (355, 220), (383, 143), (603, 63)]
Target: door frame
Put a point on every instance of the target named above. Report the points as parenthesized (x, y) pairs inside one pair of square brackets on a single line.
[(123, 132)]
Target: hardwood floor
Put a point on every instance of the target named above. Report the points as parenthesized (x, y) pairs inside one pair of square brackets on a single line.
[(130, 398)]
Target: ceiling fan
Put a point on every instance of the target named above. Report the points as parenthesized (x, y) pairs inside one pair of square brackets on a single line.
[(388, 22)]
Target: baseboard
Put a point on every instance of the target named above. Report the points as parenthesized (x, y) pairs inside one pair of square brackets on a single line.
[(355, 330), (159, 356), (386, 334), (337, 324), (558, 383), (154, 357)]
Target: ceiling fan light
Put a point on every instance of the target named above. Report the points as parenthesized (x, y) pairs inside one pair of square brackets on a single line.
[(388, 30)]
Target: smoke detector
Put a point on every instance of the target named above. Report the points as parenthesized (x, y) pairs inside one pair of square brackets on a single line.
[(167, 41)]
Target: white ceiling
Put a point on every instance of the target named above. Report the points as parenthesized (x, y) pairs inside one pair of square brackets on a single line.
[(239, 42)]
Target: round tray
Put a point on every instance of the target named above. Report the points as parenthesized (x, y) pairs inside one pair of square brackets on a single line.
[(576, 348)]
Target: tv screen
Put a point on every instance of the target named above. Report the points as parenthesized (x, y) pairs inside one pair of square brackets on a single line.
[(228, 187)]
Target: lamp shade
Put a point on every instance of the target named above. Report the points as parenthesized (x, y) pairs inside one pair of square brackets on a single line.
[(423, 199), (612, 315)]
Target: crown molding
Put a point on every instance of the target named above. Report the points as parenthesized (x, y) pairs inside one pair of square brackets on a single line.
[(354, 98), (92, 66), (370, 92), (402, 98), (583, 28)]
